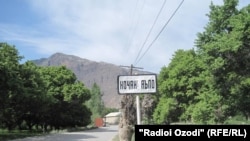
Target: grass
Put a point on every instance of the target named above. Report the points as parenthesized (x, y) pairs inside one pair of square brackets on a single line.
[(17, 134)]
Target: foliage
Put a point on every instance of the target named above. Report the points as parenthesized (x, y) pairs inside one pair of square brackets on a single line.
[(168, 115), (11, 91), (210, 84), (95, 103), (179, 85), (225, 47), (32, 96), (67, 96)]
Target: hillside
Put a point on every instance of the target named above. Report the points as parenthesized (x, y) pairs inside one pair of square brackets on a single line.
[(87, 71)]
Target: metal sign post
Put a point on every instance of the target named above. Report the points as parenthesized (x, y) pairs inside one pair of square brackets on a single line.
[(138, 110)]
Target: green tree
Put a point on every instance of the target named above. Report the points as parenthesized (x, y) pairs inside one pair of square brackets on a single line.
[(179, 84), (67, 97), (95, 103), (224, 46), (10, 86), (34, 101), (76, 95), (165, 111)]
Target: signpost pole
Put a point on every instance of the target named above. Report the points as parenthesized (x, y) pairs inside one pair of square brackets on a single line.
[(138, 110)]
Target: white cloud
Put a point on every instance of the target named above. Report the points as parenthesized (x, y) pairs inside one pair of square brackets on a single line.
[(112, 30)]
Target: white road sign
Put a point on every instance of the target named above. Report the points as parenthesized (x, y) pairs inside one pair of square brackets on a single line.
[(139, 84)]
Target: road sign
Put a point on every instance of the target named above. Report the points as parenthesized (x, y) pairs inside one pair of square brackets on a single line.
[(133, 84)]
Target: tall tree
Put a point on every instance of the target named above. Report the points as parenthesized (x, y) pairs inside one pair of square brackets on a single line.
[(224, 46), (95, 103), (67, 97), (179, 85), (34, 100), (10, 85), (32, 95)]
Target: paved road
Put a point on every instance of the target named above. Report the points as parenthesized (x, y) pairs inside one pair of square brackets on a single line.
[(100, 134)]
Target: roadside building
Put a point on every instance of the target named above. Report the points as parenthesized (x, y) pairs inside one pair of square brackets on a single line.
[(112, 118)]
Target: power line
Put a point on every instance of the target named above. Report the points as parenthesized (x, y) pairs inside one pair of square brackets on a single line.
[(161, 31), (151, 29), (133, 28)]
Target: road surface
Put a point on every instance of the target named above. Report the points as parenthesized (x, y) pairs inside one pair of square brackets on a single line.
[(100, 134)]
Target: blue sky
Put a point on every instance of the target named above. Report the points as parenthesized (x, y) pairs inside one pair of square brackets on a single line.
[(111, 31)]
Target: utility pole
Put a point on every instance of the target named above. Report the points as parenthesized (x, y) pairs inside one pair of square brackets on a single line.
[(131, 68), (127, 118)]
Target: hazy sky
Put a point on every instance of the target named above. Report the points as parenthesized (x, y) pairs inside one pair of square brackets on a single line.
[(112, 31)]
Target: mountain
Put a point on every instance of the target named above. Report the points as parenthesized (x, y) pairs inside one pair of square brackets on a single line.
[(90, 72)]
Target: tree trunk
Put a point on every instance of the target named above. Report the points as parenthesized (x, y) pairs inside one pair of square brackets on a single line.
[(127, 120)]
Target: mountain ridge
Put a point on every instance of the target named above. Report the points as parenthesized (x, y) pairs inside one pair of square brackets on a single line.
[(89, 72)]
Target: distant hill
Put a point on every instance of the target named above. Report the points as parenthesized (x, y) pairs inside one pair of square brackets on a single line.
[(87, 71)]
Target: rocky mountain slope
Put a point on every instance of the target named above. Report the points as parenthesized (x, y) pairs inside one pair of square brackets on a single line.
[(90, 72)]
